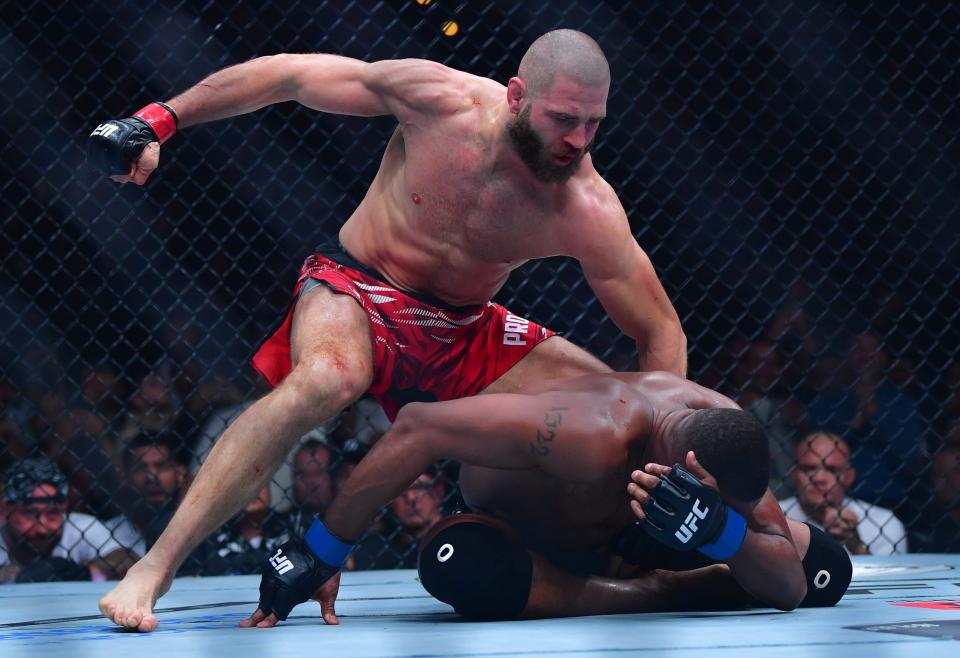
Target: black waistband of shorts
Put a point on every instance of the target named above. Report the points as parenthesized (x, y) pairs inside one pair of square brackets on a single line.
[(338, 253)]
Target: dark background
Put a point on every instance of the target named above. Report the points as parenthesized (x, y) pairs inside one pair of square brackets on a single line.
[(767, 154)]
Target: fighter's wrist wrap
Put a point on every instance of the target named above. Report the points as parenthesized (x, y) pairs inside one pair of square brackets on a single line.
[(325, 545), (685, 514), (161, 118), (116, 144), (730, 539)]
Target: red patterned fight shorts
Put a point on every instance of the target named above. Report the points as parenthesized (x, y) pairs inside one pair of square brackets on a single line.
[(422, 351)]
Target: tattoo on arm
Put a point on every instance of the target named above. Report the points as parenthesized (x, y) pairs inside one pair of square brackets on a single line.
[(552, 419)]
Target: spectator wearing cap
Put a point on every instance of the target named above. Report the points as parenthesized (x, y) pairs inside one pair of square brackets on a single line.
[(41, 541)]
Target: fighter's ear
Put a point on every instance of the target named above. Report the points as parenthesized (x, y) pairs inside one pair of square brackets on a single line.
[(516, 93)]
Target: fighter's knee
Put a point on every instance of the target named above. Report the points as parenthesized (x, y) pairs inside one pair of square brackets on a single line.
[(477, 567), (827, 568), (338, 379)]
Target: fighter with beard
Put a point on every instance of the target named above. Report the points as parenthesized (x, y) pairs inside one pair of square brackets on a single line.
[(477, 179)]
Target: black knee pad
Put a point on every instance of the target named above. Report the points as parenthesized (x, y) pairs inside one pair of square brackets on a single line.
[(828, 570), (476, 568)]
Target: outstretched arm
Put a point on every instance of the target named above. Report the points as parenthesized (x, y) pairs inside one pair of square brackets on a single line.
[(129, 149), (551, 431), (622, 276), (329, 83)]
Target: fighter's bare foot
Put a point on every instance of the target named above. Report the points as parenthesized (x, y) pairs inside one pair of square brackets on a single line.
[(130, 603)]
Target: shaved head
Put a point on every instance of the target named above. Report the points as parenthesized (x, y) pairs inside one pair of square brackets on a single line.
[(564, 52)]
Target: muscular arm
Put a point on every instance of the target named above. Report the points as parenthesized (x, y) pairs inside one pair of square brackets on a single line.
[(622, 276), (768, 565), (329, 83), (552, 431)]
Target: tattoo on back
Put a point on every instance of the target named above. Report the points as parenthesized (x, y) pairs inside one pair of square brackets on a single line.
[(552, 419)]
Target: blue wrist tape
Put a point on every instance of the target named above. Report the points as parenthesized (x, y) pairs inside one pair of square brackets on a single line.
[(730, 539), (325, 546)]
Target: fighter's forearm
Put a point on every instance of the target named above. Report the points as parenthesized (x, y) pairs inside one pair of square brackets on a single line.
[(395, 461), (666, 349), (768, 568), (235, 90)]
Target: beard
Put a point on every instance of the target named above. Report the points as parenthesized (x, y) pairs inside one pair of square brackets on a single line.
[(533, 152)]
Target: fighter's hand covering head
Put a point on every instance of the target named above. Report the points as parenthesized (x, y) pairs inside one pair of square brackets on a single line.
[(684, 513)]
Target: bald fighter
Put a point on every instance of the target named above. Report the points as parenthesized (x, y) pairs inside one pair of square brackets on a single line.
[(477, 179), (554, 527)]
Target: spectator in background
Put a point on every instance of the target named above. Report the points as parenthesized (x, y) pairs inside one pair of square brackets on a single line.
[(91, 474), (41, 541), (881, 424), (13, 417), (313, 465), (154, 483), (822, 478), (938, 529), (758, 375), (794, 329), (154, 408), (99, 410), (408, 518), (240, 545)]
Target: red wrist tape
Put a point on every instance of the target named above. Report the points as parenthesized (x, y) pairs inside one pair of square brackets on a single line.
[(161, 118)]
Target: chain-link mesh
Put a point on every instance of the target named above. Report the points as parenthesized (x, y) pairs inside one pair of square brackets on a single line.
[(791, 169)]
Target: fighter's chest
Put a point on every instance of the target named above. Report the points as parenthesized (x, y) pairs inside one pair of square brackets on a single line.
[(455, 195)]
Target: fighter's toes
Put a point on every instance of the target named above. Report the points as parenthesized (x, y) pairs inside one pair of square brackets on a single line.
[(147, 624)]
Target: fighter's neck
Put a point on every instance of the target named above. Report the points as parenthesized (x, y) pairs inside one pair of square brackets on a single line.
[(664, 446)]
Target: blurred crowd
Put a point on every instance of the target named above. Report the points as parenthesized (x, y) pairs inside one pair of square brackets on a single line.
[(94, 463)]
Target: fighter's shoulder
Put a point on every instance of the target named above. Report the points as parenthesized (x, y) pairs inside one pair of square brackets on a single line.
[(595, 224), (614, 395), (430, 87), (672, 390), (593, 196)]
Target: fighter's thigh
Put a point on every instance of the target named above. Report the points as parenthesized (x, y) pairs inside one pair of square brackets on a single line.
[(330, 339), (554, 358)]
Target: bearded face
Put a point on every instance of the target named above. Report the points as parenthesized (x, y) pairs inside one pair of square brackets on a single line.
[(535, 153)]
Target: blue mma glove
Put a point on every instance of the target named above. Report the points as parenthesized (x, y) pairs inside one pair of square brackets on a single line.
[(685, 514)]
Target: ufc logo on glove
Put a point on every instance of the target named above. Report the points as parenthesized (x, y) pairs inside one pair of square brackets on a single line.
[(685, 532), (281, 562)]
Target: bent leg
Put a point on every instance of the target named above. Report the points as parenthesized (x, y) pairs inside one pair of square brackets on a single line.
[(332, 359), (554, 358), (476, 564)]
